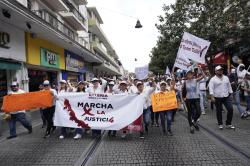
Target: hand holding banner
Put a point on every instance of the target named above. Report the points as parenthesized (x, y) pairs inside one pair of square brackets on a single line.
[(27, 101), (164, 101)]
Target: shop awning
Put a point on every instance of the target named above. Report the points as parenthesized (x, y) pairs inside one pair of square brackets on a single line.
[(10, 65)]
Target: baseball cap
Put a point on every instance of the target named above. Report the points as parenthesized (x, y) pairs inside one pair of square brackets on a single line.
[(111, 83), (123, 82), (63, 81), (94, 79), (218, 68), (163, 82), (14, 84), (139, 83), (46, 82)]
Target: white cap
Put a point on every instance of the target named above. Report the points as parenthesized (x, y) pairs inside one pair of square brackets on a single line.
[(14, 84), (63, 81), (139, 83), (123, 82), (94, 79), (163, 82), (111, 83), (169, 78), (46, 82), (218, 68), (233, 71)]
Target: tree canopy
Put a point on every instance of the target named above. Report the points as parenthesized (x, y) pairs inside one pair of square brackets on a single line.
[(218, 21)]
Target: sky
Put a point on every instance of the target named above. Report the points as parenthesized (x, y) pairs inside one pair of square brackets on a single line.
[(129, 42)]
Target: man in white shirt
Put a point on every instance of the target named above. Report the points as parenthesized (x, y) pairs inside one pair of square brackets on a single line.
[(97, 87), (220, 90), (19, 115)]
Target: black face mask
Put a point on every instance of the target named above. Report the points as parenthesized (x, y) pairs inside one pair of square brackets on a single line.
[(14, 89)]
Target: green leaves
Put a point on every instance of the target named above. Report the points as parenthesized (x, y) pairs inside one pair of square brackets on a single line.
[(215, 21)]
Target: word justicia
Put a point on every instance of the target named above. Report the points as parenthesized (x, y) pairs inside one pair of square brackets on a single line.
[(95, 105)]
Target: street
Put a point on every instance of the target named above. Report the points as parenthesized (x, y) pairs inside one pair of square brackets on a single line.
[(183, 148)]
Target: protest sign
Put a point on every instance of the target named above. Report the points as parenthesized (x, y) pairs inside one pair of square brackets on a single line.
[(141, 72), (164, 101)]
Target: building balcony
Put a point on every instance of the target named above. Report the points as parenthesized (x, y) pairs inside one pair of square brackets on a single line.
[(98, 48), (74, 17), (94, 27), (57, 5), (56, 24)]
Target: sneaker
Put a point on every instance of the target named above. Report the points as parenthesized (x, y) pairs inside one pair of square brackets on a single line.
[(61, 137), (141, 135), (46, 135), (196, 127), (220, 127), (170, 133), (203, 113), (12, 136), (192, 129), (78, 136), (230, 127), (30, 130)]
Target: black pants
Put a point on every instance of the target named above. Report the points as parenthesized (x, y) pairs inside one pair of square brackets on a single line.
[(49, 114), (154, 116), (227, 102), (194, 111)]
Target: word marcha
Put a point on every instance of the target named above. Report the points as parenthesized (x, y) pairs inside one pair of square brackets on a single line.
[(95, 105)]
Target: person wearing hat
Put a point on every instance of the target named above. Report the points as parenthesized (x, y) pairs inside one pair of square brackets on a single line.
[(166, 115), (191, 96), (133, 89), (97, 88), (49, 112), (17, 116), (145, 92), (220, 90)]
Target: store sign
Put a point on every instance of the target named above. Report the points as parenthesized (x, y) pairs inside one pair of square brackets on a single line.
[(49, 58), (4, 40), (74, 62)]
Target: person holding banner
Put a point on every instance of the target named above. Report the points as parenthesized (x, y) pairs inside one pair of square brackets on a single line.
[(97, 88), (191, 95), (19, 115), (145, 92), (49, 112), (123, 90), (168, 114)]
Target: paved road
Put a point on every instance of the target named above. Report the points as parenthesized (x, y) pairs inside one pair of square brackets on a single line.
[(183, 148)]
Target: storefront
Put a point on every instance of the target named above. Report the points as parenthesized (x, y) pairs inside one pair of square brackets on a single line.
[(45, 60), (12, 58), (76, 68)]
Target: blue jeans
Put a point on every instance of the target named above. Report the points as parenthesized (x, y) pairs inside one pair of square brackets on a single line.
[(203, 97), (166, 116), (248, 103), (237, 101), (22, 119), (146, 116)]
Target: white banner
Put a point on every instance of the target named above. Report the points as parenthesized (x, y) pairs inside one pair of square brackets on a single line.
[(182, 62), (193, 48), (97, 111), (141, 72)]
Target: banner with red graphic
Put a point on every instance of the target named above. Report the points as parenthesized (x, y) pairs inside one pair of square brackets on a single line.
[(98, 111)]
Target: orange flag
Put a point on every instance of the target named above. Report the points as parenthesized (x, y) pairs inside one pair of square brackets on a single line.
[(164, 101), (27, 101)]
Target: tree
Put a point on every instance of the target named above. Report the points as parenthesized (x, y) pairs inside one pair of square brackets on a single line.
[(214, 20)]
